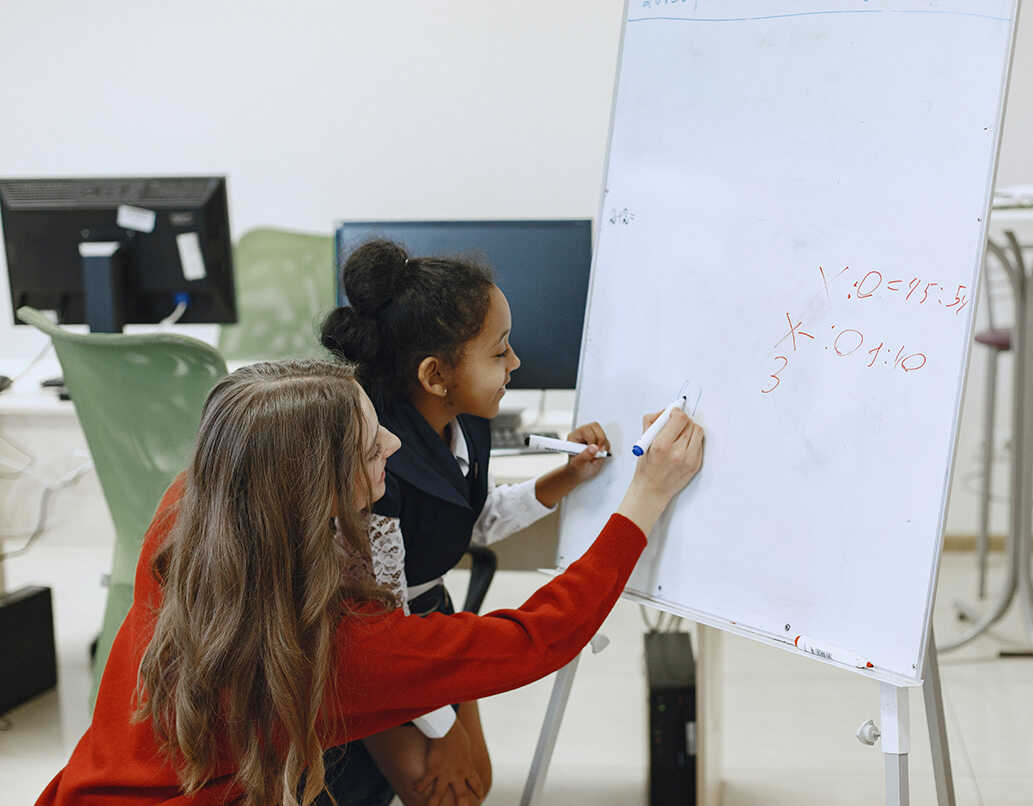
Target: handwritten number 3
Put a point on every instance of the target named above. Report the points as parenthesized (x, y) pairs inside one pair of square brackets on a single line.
[(774, 377)]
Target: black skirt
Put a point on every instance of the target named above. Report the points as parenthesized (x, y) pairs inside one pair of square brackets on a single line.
[(351, 773)]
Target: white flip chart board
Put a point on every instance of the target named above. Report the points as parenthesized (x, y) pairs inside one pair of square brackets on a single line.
[(792, 221)]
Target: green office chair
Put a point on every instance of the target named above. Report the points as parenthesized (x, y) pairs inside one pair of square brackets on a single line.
[(139, 400), (285, 285)]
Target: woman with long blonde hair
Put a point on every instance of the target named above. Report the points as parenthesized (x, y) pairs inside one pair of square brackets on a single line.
[(259, 635)]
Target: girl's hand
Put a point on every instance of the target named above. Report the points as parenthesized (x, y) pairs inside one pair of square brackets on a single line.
[(585, 466), (450, 770), (555, 484)]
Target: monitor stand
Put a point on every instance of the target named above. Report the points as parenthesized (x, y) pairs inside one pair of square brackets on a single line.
[(103, 277)]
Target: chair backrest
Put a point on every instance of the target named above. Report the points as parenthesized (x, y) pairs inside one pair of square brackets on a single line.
[(285, 285), (138, 399)]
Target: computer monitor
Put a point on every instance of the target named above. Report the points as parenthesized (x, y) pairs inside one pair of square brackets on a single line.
[(542, 266), (114, 251)]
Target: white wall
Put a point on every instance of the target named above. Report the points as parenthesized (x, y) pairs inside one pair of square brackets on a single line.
[(318, 110), (325, 110)]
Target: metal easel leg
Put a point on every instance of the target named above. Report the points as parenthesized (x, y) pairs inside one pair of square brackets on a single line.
[(550, 730), (934, 715), (897, 791), (896, 742)]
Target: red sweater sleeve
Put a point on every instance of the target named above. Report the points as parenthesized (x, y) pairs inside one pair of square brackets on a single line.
[(393, 667)]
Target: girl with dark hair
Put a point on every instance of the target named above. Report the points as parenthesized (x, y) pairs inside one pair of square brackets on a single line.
[(430, 338), (259, 635)]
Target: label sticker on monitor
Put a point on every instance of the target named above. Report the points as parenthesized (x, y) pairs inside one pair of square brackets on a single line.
[(190, 256), (137, 218)]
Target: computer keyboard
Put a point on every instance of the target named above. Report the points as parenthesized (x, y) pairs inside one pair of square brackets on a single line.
[(506, 441)]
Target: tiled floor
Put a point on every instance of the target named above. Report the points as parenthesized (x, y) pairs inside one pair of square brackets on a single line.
[(788, 723)]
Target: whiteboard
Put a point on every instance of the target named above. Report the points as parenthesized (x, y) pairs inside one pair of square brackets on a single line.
[(793, 220)]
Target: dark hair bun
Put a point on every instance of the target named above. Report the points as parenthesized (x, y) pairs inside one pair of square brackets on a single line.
[(350, 335), (401, 310), (372, 275)]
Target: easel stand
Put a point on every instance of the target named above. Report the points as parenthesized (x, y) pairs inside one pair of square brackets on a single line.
[(550, 730), (895, 733)]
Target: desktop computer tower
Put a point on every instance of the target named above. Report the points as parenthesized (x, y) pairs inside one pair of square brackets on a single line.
[(28, 663), (671, 675)]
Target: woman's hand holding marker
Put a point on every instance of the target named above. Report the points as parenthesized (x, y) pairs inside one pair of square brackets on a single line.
[(658, 422), (672, 460)]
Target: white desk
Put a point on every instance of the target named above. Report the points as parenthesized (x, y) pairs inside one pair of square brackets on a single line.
[(25, 398), (38, 422)]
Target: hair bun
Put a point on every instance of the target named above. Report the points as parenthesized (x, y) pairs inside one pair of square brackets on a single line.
[(372, 275), (350, 335)]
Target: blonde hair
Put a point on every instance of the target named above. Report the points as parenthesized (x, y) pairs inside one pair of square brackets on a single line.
[(253, 582)]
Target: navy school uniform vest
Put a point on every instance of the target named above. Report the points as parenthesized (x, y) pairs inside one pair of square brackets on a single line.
[(436, 504)]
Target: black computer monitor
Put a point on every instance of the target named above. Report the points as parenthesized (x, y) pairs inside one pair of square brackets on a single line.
[(115, 251), (542, 266)]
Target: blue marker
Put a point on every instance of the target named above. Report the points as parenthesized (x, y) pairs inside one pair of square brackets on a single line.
[(640, 447)]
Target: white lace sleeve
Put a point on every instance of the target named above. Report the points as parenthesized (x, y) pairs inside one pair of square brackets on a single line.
[(388, 552)]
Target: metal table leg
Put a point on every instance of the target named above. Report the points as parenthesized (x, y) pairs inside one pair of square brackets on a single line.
[(1019, 521)]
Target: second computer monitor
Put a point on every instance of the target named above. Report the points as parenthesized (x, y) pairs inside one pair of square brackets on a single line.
[(542, 267)]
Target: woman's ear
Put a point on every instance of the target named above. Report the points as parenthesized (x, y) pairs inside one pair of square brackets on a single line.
[(432, 376)]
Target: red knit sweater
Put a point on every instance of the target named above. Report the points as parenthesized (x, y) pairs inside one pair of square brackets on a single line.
[(393, 668)]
